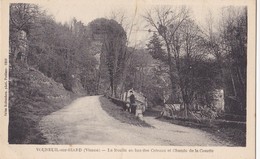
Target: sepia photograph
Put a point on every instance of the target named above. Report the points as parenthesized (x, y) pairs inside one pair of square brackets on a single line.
[(156, 76), (130, 73)]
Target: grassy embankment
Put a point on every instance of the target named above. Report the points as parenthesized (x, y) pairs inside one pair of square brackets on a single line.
[(118, 113), (235, 134), (32, 96)]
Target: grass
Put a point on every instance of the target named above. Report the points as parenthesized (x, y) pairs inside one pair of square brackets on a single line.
[(118, 113), (234, 135), (32, 96)]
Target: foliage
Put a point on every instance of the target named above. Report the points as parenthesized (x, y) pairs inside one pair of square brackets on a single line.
[(234, 36), (57, 57), (181, 62), (113, 39), (154, 47), (59, 51), (31, 96), (145, 74), (193, 72), (228, 44)]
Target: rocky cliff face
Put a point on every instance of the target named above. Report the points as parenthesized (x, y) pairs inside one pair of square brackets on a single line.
[(77, 87), (19, 48), (96, 50)]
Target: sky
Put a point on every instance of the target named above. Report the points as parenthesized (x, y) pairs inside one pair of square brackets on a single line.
[(88, 10)]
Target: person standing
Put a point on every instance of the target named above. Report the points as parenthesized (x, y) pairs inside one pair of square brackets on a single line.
[(132, 102)]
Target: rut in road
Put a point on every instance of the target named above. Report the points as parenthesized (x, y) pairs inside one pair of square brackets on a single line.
[(85, 122)]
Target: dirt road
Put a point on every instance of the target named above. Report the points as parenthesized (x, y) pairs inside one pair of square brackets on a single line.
[(85, 122)]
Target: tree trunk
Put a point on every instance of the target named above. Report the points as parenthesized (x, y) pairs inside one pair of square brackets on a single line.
[(170, 67), (233, 83)]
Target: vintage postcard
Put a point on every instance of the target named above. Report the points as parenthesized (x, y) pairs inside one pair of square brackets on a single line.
[(128, 79)]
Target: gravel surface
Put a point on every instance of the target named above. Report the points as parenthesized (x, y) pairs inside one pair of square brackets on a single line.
[(85, 122)]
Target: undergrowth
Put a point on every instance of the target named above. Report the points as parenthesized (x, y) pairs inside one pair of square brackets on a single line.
[(32, 96)]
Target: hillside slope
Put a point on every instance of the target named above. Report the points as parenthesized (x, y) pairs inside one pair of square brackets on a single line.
[(32, 96)]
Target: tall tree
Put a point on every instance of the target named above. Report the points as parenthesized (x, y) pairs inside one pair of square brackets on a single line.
[(166, 21), (185, 54), (23, 18), (155, 48)]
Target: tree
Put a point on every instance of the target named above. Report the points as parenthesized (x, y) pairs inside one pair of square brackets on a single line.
[(234, 35), (59, 51), (186, 56), (128, 22), (192, 55), (23, 18), (228, 44), (148, 76), (154, 47), (166, 22)]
